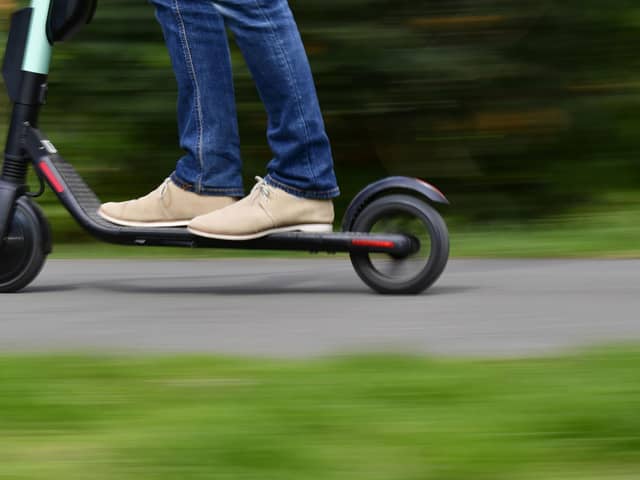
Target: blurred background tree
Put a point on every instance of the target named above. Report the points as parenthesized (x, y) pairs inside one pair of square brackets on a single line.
[(517, 109)]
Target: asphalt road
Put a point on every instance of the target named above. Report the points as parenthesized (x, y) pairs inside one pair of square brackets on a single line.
[(319, 306)]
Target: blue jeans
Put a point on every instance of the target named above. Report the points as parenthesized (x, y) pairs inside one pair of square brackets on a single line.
[(266, 32)]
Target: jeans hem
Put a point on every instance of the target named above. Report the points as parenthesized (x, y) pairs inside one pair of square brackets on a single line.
[(310, 194), (209, 191)]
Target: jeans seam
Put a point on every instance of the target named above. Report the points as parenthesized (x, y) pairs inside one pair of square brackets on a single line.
[(293, 85), (186, 50)]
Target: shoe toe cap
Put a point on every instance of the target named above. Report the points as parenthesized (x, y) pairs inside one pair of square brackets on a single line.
[(111, 209), (203, 222)]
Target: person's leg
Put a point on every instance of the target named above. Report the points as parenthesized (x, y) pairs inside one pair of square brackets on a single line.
[(267, 34), (209, 173), (297, 192), (195, 35)]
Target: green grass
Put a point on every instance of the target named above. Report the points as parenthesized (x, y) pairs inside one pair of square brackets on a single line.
[(367, 417), (611, 235)]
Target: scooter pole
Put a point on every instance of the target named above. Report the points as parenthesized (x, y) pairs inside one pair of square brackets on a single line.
[(25, 70)]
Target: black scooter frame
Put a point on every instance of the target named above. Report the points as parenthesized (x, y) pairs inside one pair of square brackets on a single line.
[(82, 203)]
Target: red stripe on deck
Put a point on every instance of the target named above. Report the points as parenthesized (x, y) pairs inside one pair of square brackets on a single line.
[(361, 242), (53, 180)]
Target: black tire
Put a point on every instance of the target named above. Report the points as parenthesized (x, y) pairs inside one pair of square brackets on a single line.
[(409, 213), (23, 252)]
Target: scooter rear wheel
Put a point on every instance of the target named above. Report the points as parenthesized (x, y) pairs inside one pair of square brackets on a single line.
[(408, 215), (22, 254)]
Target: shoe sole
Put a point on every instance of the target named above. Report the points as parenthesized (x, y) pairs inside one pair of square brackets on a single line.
[(305, 228), (126, 223)]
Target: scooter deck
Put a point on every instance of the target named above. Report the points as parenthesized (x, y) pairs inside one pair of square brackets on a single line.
[(82, 203)]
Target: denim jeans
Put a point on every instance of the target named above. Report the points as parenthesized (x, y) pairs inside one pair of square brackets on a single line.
[(267, 34)]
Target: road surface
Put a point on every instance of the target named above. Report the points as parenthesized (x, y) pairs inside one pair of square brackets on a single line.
[(318, 306)]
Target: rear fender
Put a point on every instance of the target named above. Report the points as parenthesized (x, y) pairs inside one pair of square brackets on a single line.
[(412, 186)]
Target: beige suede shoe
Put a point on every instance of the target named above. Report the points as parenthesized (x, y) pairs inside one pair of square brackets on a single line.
[(265, 210), (167, 206)]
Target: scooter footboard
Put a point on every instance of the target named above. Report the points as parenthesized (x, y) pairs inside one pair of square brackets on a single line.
[(82, 203), (65, 181)]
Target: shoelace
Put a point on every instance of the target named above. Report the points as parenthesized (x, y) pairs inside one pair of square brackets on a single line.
[(262, 188), (163, 189), (164, 186)]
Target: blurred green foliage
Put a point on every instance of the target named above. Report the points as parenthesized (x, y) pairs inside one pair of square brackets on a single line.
[(368, 417), (517, 109)]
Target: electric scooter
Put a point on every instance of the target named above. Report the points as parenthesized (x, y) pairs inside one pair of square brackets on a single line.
[(398, 243)]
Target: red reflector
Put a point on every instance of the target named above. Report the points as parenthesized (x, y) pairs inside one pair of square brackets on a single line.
[(361, 242), (55, 183), (428, 185)]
